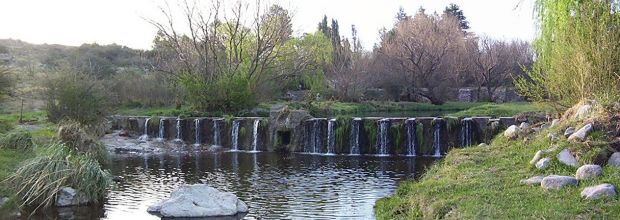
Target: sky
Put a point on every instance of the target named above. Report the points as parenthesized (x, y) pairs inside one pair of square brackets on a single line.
[(75, 22)]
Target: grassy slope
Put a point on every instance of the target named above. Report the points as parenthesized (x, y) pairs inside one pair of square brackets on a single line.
[(503, 109), (483, 182)]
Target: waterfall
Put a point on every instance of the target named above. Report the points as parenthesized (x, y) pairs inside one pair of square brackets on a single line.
[(216, 132), (235, 135), (437, 136), (466, 132), (145, 136), (355, 136), (179, 139), (410, 127), (383, 137), (255, 135), (197, 131), (161, 129), (331, 136)]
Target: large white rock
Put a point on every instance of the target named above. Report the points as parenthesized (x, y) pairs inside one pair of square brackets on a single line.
[(68, 196), (565, 157), (543, 163), (511, 132), (599, 191), (557, 182), (199, 200), (588, 171), (581, 134), (614, 160)]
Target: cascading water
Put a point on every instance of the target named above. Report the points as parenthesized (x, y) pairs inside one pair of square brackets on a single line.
[(355, 136), (197, 132), (383, 137), (331, 136), (235, 135), (437, 136), (410, 127), (179, 132), (161, 129), (216, 132), (145, 136), (255, 135), (466, 132)]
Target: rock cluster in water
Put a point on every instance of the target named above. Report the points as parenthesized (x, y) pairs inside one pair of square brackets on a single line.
[(199, 201)]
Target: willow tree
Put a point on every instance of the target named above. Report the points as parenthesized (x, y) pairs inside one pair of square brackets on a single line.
[(577, 53)]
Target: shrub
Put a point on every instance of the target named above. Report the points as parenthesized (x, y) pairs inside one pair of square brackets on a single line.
[(76, 96), (229, 93), (78, 140), (18, 139), (39, 179)]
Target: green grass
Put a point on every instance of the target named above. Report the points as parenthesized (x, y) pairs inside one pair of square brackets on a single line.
[(503, 109), (483, 183)]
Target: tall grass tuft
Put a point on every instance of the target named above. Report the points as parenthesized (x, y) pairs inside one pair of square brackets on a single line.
[(39, 179), (74, 136), (18, 139)]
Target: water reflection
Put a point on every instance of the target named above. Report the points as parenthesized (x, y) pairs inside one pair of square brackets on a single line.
[(273, 185)]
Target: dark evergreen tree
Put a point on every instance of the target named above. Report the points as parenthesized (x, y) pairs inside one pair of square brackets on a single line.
[(401, 14), (324, 27), (455, 10)]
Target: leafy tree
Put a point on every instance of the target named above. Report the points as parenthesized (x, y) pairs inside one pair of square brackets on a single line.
[(577, 53), (455, 10)]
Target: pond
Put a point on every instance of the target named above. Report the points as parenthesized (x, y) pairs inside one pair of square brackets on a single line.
[(273, 185)]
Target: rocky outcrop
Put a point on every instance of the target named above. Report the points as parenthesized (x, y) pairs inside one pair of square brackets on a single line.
[(558, 182), (566, 157), (285, 128), (512, 132), (68, 196), (614, 160), (599, 191), (588, 171), (199, 201)]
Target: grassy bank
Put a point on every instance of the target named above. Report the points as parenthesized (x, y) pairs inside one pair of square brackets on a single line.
[(483, 183), (502, 109)]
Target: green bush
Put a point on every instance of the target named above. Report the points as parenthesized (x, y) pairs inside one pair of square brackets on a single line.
[(5, 126), (76, 96), (229, 93), (39, 179), (17, 139)]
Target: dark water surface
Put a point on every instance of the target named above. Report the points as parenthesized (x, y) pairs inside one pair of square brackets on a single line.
[(273, 185)]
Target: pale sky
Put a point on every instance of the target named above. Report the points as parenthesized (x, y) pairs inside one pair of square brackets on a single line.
[(74, 22)]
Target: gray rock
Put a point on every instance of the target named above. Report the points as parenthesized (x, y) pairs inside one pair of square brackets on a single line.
[(199, 200), (557, 182), (539, 154), (524, 125), (68, 196), (555, 122), (545, 126), (599, 191), (483, 145), (614, 160), (581, 134), (565, 157), (536, 180), (543, 163), (569, 131), (588, 171), (511, 132)]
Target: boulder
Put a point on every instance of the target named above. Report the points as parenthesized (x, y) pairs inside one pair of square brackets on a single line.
[(541, 153), (569, 131), (199, 200), (588, 171), (511, 132), (524, 125), (614, 160), (599, 191), (581, 134), (532, 180), (543, 163), (565, 157), (68, 196), (557, 182), (483, 145)]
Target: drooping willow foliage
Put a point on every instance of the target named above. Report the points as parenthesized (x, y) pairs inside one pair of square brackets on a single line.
[(577, 52)]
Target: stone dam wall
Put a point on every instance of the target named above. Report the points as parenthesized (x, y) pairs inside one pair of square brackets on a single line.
[(299, 132)]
